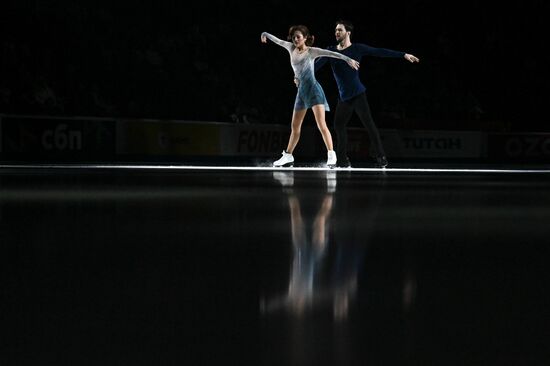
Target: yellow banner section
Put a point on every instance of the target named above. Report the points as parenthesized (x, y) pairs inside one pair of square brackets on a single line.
[(168, 138)]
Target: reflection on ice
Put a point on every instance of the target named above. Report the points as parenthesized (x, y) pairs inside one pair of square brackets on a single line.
[(327, 251)]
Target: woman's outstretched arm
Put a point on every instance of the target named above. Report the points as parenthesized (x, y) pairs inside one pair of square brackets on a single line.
[(319, 52), (265, 36)]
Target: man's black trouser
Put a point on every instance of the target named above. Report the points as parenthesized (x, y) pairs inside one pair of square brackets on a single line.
[(344, 110)]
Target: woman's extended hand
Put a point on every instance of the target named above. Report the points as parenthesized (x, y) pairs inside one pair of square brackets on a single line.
[(354, 64)]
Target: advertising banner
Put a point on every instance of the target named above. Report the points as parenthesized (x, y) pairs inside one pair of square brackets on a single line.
[(57, 139), (167, 138), (253, 140), (526, 147), (433, 144)]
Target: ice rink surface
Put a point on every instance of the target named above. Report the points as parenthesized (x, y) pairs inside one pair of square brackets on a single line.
[(179, 264)]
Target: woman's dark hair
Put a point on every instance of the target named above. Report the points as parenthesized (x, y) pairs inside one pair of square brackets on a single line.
[(305, 32)]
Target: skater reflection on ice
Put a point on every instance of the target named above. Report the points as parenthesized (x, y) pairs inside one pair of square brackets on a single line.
[(326, 254), (308, 251)]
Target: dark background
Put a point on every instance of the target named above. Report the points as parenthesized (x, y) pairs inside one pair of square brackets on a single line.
[(482, 65)]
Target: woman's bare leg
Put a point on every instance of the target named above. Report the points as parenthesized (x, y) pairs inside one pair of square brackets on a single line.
[(297, 120), (319, 112)]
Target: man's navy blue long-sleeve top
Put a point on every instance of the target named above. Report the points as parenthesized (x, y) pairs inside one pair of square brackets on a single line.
[(347, 79)]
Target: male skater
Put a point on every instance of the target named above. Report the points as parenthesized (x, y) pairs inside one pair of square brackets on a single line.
[(352, 91)]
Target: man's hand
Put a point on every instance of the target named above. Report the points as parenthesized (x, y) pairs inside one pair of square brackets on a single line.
[(411, 58)]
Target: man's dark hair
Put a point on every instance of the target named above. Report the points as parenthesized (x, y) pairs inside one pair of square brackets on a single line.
[(347, 24)]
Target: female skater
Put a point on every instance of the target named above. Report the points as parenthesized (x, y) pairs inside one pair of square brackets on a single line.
[(310, 93)]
